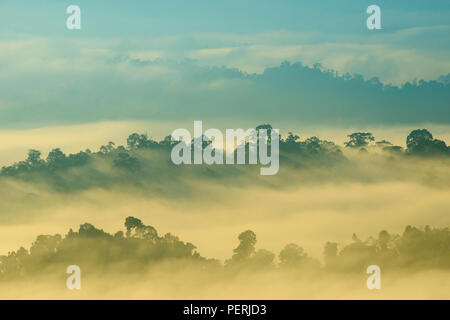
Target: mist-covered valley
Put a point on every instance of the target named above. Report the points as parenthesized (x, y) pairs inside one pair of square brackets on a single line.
[(217, 231)]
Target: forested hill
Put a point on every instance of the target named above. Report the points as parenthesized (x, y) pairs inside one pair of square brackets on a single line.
[(141, 247), (145, 162)]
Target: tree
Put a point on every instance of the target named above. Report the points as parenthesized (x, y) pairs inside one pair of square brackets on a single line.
[(263, 258), (55, 155), (167, 142), (89, 231), (45, 245), (292, 256), (108, 148), (139, 141), (359, 139), (34, 158), (246, 246), (418, 139), (383, 239), (421, 142), (132, 223), (136, 229), (383, 143), (56, 158), (291, 139), (267, 127)]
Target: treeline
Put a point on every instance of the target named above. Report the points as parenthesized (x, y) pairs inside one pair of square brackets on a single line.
[(415, 248), (133, 157), (140, 247), (97, 250)]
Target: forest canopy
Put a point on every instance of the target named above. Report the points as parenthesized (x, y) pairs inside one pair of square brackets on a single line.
[(146, 161), (140, 247)]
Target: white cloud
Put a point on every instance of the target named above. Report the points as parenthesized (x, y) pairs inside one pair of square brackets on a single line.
[(384, 55)]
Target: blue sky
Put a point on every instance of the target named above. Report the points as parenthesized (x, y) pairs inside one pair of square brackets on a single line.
[(332, 32), (120, 17), (140, 54)]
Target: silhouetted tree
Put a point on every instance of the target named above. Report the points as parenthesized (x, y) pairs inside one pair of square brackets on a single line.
[(246, 248), (421, 142), (293, 256), (34, 158), (359, 139), (56, 159), (107, 148)]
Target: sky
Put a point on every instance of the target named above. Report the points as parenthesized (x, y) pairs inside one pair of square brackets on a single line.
[(159, 60)]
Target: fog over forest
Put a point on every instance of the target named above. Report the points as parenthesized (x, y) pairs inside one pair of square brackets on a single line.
[(132, 219)]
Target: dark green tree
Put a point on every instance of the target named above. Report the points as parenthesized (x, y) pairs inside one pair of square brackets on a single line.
[(421, 142), (359, 139), (246, 247)]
